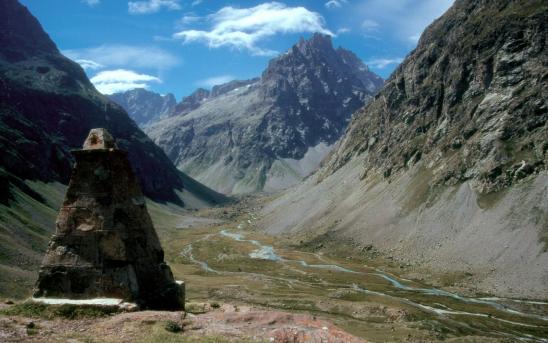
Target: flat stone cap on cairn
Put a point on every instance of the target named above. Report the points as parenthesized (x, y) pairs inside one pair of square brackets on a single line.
[(105, 249), (99, 139)]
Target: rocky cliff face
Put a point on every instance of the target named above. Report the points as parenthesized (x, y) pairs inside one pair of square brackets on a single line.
[(268, 133), (470, 100), (446, 167), (144, 106)]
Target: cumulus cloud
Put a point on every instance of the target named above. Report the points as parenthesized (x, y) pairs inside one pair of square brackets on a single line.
[(152, 6), (91, 2), (214, 81), (121, 80), (335, 3), (381, 63), (125, 56), (244, 28)]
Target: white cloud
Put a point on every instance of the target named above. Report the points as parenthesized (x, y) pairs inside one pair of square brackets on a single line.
[(335, 3), (125, 56), (187, 19), (89, 65), (214, 81), (121, 80), (342, 30), (243, 28), (152, 6), (196, 2), (91, 2), (381, 63)]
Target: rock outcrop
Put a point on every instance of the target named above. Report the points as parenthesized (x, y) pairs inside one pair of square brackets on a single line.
[(446, 167), (105, 245), (471, 100), (268, 133)]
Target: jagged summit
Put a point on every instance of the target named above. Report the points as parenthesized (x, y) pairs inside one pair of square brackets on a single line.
[(318, 41), (269, 132), (144, 106)]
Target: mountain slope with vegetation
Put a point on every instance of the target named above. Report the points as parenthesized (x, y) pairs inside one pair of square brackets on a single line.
[(47, 107), (445, 169)]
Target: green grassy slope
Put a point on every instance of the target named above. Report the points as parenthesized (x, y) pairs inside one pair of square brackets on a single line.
[(26, 223)]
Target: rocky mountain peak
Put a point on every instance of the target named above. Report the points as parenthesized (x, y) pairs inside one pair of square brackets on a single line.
[(309, 62), (318, 41), (191, 102), (229, 86), (266, 133), (145, 106)]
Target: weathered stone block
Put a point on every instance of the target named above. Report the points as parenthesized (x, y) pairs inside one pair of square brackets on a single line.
[(105, 244)]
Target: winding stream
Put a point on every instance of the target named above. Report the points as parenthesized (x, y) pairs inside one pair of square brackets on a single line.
[(400, 291)]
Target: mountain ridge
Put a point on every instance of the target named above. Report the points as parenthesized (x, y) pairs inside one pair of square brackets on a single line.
[(269, 132), (144, 106)]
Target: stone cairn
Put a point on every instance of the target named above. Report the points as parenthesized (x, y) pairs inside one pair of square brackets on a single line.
[(105, 245)]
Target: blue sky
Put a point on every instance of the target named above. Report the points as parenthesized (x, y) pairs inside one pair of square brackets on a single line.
[(179, 45)]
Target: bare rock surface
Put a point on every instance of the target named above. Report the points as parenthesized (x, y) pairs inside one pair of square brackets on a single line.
[(273, 326), (105, 244), (232, 323), (144, 106)]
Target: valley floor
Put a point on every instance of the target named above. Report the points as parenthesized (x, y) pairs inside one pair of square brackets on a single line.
[(242, 284)]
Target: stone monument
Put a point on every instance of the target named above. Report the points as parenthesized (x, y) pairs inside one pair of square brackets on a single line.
[(105, 245)]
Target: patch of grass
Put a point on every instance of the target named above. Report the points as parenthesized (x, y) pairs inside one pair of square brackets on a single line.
[(37, 310)]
